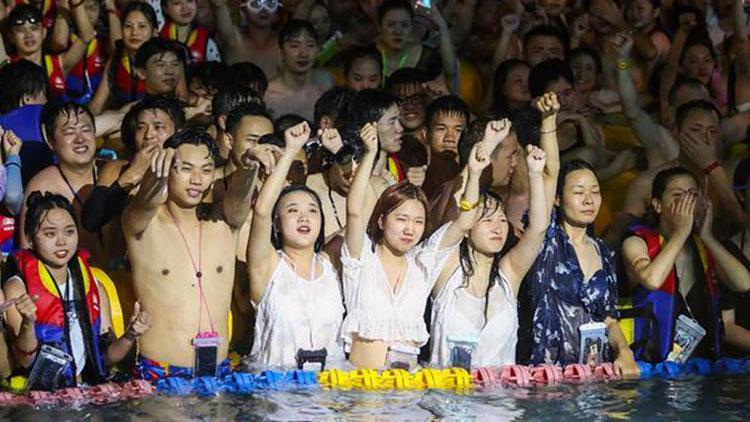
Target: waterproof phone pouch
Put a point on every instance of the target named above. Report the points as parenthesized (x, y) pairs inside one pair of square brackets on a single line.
[(49, 365), (206, 347), (593, 342), (687, 335), (402, 357), (312, 360), (461, 348)]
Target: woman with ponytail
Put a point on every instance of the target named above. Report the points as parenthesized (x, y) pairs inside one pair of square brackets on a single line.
[(57, 300)]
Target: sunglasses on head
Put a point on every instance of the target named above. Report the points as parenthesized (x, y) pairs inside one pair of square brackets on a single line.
[(258, 5), (20, 21)]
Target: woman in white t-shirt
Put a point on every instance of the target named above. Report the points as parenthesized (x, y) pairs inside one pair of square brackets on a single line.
[(387, 278), (294, 287)]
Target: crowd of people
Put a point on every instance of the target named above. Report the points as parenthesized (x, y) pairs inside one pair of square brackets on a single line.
[(374, 184)]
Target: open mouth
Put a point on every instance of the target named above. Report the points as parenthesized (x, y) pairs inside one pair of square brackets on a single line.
[(61, 254), (303, 63), (81, 149), (303, 230)]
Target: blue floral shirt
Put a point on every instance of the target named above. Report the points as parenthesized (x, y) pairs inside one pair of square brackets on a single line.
[(562, 300)]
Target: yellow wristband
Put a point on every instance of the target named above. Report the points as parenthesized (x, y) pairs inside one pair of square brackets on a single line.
[(465, 205), (624, 64)]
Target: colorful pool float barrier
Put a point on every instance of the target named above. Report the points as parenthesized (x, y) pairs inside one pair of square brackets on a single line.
[(455, 379), (78, 396)]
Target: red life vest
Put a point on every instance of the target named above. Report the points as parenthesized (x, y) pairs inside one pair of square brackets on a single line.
[(50, 325), (52, 65), (665, 300), (196, 43), (80, 81), (49, 307), (127, 86)]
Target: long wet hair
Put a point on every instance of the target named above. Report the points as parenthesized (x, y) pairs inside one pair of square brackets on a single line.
[(391, 199), (491, 203), (38, 204), (276, 239)]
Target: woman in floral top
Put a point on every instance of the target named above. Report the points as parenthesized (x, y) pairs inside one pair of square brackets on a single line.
[(574, 279)]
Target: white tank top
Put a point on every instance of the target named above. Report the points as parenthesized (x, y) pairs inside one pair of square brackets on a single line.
[(295, 313), (456, 312)]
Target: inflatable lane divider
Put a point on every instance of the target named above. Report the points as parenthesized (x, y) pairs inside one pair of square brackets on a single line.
[(516, 375), (100, 394), (547, 374), (729, 366), (606, 372)]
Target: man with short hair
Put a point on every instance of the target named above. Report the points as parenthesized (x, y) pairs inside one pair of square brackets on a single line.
[(446, 119), (542, 43), (161, 64), (190, 302), (70, 133), (295, 90)]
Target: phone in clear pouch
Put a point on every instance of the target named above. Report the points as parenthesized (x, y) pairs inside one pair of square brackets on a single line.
[(424, 4), (206, 355), (402, 357), (687, 335), (48, 367), (461, 348)]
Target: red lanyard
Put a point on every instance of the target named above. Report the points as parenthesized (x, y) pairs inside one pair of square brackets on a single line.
[(198, 273)]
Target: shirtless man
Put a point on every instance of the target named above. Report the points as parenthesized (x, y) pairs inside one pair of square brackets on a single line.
[(190, 285), (255, 42), (297, 86), (697, 133), (70, 132)]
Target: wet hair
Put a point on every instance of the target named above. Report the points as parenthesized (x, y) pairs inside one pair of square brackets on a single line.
[(333, 103), (230, 96), (487, 198), (193, 136), (23, 12), (680, 82), (501, 75), (362, 52), (143, 7), (547, 72), (685, 109), (172, 107), (293, 28), (447, 104), (389, 5), (64, 110), (236, 114), (367, 106), (586, 51), (28, 79), (250, 75), (159, 47), (569, 167), (38, 204), (659, 186), (546, 31), (211, 75), (392, 198), (406, 76), (276, 239), (662, 179)]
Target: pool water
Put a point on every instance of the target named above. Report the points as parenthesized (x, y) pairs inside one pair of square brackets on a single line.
[(698, 398)]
